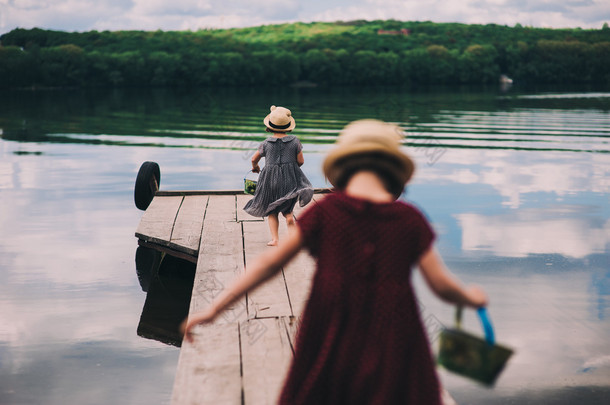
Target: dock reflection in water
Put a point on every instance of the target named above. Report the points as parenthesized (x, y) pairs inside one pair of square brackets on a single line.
[(168, 282)]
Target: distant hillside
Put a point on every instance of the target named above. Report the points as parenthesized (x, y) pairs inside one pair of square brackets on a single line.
[(341, 53)]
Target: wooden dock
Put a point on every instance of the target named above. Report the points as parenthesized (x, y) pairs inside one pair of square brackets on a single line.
[(243, 357)]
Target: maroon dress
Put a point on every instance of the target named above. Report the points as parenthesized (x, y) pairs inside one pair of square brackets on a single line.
[(361, 338)]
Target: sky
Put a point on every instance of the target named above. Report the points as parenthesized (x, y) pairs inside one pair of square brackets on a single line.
[(167, 15)]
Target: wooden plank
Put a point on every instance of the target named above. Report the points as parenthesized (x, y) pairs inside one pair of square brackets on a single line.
[(221, 208), (209, 370), (157, 221), (221, 233), (165, 249), (186, 234), (165, 193), (266, 356), (221, 257), (271, 298), (291, 325), (299, 275), (241, 214), (220, 263), (299, 272)]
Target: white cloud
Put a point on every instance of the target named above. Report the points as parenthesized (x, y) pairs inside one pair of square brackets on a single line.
[(175, 22), (67, 15), (27, 4), (597, 362), (195, 14), (537, 13), (73, 15), (179, 7)]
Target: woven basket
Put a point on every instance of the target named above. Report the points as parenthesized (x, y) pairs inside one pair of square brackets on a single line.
[(250, 183), (470, 356)]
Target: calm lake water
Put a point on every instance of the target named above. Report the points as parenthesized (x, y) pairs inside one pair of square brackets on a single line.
[(516, 184)]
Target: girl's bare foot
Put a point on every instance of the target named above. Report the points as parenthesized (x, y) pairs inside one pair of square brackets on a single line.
[(272, 243)]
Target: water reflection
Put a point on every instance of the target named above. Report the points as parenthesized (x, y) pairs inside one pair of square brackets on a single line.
[(523, 179), (168, 282), (531, 226), (600, 287), (69, 299), (197, 118), (535, 231)]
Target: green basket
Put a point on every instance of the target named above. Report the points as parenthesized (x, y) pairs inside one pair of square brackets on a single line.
[(249, 184), (470, 356)]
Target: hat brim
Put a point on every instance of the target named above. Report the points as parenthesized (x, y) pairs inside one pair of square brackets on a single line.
[(336, 155), (293, 124)]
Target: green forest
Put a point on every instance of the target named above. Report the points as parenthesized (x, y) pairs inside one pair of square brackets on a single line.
[(341, 53)]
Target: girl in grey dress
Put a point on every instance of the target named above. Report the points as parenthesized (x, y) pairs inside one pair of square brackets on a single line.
[(281, 182)]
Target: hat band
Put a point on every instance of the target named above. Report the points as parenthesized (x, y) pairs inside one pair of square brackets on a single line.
[(272, 125)]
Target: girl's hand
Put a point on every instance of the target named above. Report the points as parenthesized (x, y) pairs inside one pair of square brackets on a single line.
[(256, 169), (477, 296), (446, 286), (197, 319)]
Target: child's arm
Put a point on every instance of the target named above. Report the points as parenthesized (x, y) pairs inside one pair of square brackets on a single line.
[(255, 159), (445, 285), (300, 158), (263, 268)]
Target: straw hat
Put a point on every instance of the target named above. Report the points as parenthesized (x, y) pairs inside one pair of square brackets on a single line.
[(279, 120), (369, 137)]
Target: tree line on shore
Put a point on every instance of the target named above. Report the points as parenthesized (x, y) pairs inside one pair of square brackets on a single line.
[(341, 53)]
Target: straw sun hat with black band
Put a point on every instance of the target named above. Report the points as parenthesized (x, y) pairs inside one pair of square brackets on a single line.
[(280, 119), (369, 144)]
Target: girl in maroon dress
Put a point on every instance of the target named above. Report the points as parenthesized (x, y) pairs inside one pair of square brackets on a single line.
[(361, 339)]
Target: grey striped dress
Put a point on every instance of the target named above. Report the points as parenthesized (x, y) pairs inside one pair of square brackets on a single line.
[(281, 181)]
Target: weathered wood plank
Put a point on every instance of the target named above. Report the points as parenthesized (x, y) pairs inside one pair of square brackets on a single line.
[(157, 221), (209, 370), (165, 249), (299, 272), (291, 324), (270, 299), (266, 356), (164, 193), (299, 275), (241, 214), (186, 235), (221, 257), (221, 208)]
